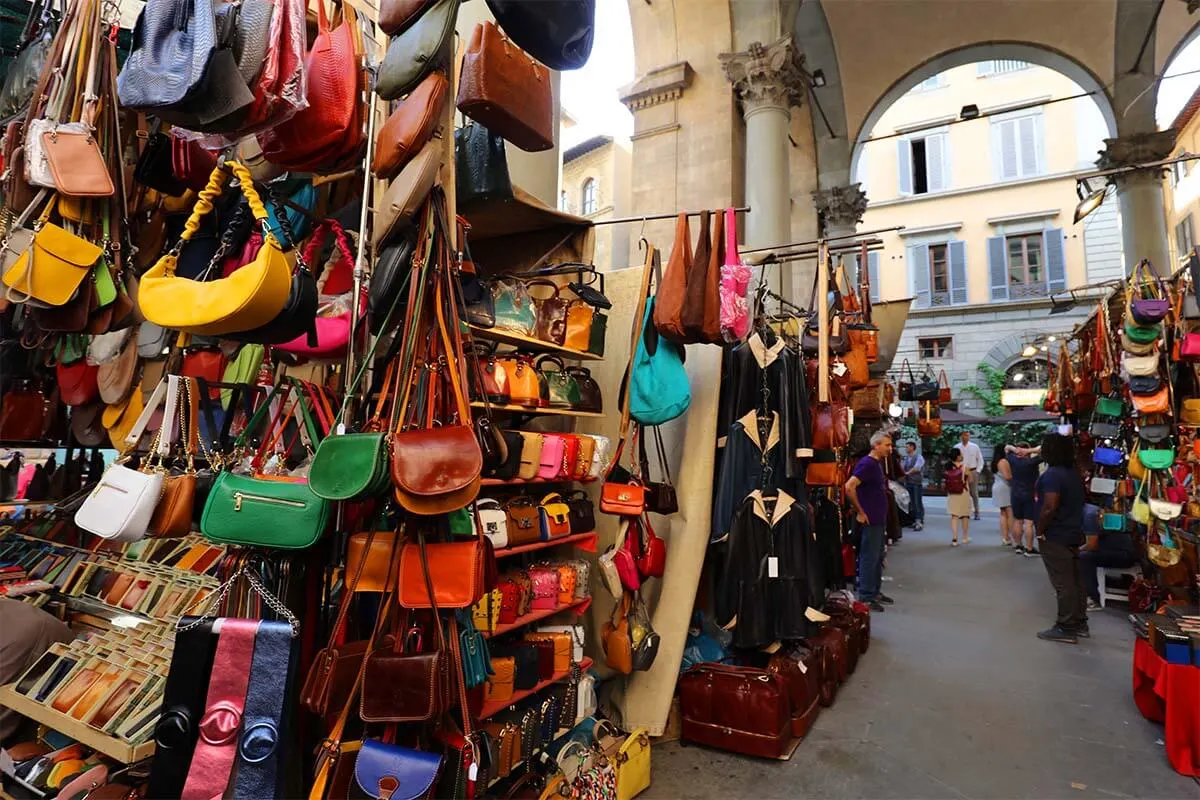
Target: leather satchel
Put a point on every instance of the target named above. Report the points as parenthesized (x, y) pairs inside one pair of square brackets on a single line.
[(406, 194), (53, 268), (456, 570), (741, 709), (616, 638), (411, 126), (77, 164), (506, 89), (523, 522), (417, 50), (406, 683)]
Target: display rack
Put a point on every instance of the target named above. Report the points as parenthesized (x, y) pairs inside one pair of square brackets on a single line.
[(530, 343), (532, 481), (495, 707), (538, 412), (583, 541), (73, 728), (579, 607)]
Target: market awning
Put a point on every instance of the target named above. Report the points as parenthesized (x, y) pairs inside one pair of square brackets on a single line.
[(890, 316)]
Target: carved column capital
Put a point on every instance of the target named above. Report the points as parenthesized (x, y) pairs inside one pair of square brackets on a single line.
[(841, 207), (766, 75), (1134, 149)]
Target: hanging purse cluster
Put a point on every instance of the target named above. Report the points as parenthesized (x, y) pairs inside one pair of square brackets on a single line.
[(702, 296)]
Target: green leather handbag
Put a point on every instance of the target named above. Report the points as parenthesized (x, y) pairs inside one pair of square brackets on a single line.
[(1109, 407), (514, 307), (245, 510), (562, 391), (350, 467), (1142, 334), (1156, 459)]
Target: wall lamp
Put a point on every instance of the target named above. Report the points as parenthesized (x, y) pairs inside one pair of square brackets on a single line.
[(969, 112), (1089, 199)]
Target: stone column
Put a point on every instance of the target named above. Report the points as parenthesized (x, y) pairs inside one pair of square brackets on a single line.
[(840, 208), (768, 81), (1139, 192)]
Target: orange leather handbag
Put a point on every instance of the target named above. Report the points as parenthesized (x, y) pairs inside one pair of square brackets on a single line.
[(410, 126), (618, 643), (523, 387), (456, 572), (369, 556), (672, 289), (1157, 403), (579, 325)]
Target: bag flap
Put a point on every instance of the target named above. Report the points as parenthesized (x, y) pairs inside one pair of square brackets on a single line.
[(66, 246), (1154, 433), (394, 772), (435, 461)]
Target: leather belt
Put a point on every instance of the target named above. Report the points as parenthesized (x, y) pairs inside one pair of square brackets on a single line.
[(176, 731), (259, 749), (212, 760)]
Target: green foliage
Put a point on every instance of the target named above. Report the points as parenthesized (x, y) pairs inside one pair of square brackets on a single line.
[(989, 393), (937, 449)]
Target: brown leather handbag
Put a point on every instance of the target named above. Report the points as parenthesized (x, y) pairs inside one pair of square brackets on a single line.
[(830, 424), (702, 308), (590, 396), (551, 313), (523, 521), (741, 709), (369, 556), (803, 679), (410, 126), (672, 290), (396, 15), (499, 690), (115, 377), (869, 402), (506, 90), (172, 517), (403, 681), (616, 638)]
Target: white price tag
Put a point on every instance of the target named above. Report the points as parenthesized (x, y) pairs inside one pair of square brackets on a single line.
[(473, 772), (341, 429), (839, 369), (772, 567)]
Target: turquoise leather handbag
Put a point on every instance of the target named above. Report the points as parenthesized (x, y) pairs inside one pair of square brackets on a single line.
[(476, 660), (659, 390)]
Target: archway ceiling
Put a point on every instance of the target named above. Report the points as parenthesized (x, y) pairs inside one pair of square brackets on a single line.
[(879, 43)]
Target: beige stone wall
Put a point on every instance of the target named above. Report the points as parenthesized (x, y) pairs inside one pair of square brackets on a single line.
[(610, 167)]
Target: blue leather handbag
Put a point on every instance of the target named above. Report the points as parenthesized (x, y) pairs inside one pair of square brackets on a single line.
[(659, 390), (1108, 457), (173, 41), (399, 773)]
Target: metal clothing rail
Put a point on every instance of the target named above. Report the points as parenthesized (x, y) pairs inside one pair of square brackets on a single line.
[(873, 246), (671, 215), (823, 240)]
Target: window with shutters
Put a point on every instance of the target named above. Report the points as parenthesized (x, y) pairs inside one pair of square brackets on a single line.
[(588, 204), (936, 347), (1184, 239), (923, 164), (1026, 267), (939, 274), (1179, 171), (985, 68), (1017, 146)]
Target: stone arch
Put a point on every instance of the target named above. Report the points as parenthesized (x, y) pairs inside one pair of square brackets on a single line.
[(1016, 51), (1008, 351)]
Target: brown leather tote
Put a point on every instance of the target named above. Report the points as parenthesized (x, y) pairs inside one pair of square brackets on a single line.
[(702, 306), (506, 90), (672, 290), (172, 517), (410, 126)]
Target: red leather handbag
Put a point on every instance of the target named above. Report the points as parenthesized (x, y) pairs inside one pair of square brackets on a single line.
[(77, 383), (801, 670), (740, 709), (650, 551), (329, 130), (207, 364), (510, 600)]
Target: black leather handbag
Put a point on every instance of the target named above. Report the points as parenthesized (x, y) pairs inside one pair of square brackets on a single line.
[(391, 268), (558, 33), (481, 165), (153, 166), (581, 512), (660, 495), (525, 676), (590, 397), (512, 463)]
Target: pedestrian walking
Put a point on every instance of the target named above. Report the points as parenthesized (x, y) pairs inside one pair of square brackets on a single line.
[(958, 499), (972, 466)]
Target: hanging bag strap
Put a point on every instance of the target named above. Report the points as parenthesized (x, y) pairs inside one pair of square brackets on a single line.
[(639, 320)]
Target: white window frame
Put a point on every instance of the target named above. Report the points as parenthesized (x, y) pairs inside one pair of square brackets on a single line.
[(929, 84), (943, 134), (946, 349), (589, 195), (1000, 66)]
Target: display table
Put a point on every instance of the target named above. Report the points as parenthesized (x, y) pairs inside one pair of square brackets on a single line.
[(1170, 694)]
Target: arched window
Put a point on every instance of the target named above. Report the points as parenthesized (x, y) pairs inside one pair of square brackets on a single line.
[(588, 206), (1028, 373), (563, 203)]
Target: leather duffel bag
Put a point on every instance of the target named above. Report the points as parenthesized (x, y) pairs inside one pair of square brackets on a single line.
[(740, 709), (800, 667)]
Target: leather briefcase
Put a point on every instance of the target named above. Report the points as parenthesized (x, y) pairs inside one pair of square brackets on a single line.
[(801, 670), (740, 709)]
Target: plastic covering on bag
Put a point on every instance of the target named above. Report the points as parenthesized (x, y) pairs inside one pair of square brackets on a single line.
[(706, 643), (901, 496)]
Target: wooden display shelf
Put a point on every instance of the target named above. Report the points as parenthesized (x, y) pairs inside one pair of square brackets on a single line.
[(69, 726), (492, 708), (530, 343), (584, 541), (541, 412), (579, 606), (532, 481)]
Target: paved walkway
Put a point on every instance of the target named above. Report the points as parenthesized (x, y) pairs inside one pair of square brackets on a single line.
[(957, 699)]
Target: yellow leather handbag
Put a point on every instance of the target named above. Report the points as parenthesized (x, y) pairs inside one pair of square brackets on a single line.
[(54, 265), (579, 325), (486, 613), (119, 418), (250, 297), (633, 765), (1189, 413)]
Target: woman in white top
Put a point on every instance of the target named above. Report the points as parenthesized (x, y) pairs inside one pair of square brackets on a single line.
[(1002, 494)]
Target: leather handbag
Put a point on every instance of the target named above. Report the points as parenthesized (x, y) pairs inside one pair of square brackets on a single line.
[(250, 297), (480, 165), (392, 269), (800, 669), (1189, 347), (381, 769), (1142, 335), (742, 709), (395, 16), (77, 383), (579, 325), (523, 521), (369, 556), (1157, 403), (562, 647), (583, 458), (581, 512), (410, 126), (701, 314), (616, 638), (77, 164), (456, 571), (515, 309), (417, 50), (407, 193), (546, 584), (531, 454), (52, 270), (555, 517), (1108, 457), (500, 683), (672, 290), (168, 62), (1144, 384), (563, 391), (22, 413), (557, 33), (403, 682), (1189, 411), (551, 456), (506, 89), (494, 521), (493, 379), (649, 551), (115, 377), (523, 386), (550, 313), (1138, 348), (830, 425), (1140, 365)]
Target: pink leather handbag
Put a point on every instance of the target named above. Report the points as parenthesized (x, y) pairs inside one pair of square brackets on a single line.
[(735, 279), (333, 333), (553, 449), (545, 582)]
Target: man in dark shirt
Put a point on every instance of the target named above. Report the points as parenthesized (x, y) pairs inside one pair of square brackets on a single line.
[(1059, 498), (1024, 463), (867, 490)]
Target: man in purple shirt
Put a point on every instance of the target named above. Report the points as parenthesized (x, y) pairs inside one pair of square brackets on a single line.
[(867, 490)]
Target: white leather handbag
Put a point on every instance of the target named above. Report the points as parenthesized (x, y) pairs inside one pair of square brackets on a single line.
[(599, 457), (587, 696), (608, 568), (122, 504), (1140, 365), (105, 347), (494, 521)]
